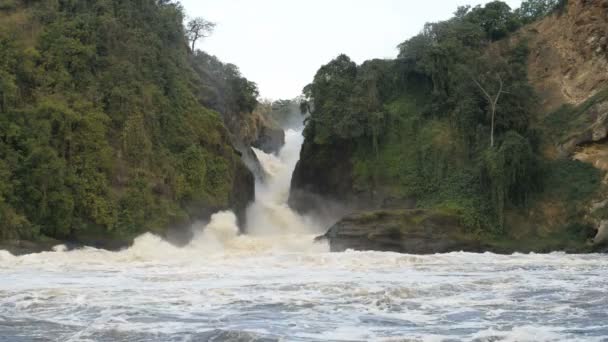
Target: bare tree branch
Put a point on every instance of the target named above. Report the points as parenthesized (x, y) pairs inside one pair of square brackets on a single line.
[(493, 102)]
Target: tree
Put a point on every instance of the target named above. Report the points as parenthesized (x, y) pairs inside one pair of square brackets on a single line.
[(198, 28), (532, 10), (493, 102), (496, 19)]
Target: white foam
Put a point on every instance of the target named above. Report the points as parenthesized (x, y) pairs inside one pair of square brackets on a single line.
[(277, 281)]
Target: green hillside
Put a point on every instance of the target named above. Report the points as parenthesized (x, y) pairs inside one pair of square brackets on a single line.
[(104, 132)]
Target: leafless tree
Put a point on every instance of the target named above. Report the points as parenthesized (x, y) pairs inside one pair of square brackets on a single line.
[(493, 101), (198, 28)]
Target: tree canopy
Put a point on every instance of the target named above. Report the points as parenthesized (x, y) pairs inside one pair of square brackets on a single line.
[(104, 127), (448, 122)]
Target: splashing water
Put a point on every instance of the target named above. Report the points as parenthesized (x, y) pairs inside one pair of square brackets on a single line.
[(276, 284), (270, 215)]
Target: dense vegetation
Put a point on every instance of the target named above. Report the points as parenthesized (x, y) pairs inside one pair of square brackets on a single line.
[(224, 89), (105, 128), (450, 123)]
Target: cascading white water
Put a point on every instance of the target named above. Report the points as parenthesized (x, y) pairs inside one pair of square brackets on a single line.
[(272, 226), (270, 215), (277, 284)]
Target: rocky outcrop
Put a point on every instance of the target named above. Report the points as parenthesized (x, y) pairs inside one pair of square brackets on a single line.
[(255, 129), (323, 173), (602, 234), (250, 159), (419, 231), (404, 231), (594, 128), (28, 247), (270, 139), (242, 194)]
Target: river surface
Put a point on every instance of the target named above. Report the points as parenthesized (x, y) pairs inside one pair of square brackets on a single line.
[(277, 284)]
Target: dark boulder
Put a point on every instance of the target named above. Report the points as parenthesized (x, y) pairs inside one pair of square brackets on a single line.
[(414, 231), (22, 247), (270, 139), (243, 192), (324, 172)]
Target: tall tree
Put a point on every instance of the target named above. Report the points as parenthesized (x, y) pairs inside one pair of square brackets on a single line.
[(198, 28), (493, 102)]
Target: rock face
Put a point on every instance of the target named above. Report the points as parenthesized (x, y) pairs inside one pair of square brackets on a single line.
[(595, 129), (323, 172), (324, 175), (270, 139), (602, 234), (255, 129), (404, 231), (251, 160), (569, 53), (242, 194)]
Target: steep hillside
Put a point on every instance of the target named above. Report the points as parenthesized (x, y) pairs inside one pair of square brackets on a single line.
[(102, 131), (479, 117), (568, 54), (225, 90)]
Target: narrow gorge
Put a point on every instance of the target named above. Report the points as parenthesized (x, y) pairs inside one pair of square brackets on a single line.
[(149, 191)]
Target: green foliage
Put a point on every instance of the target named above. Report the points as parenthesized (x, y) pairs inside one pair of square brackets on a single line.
[(421, 124), (571, 180), (511, 173), (101, 124), (7, 5), (532, 10), (346, 101), (495, 18), (223, 88)]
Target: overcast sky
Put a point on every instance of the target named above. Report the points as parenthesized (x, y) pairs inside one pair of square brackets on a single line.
[(280, 44)]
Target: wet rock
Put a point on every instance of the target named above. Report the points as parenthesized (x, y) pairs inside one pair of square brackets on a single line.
[(324, 173), (243, 192), (270, 139), (414, 231), (250, 159), (22, 247), (601, 238)]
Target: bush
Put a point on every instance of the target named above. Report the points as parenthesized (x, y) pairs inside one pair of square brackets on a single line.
[(7, 5)]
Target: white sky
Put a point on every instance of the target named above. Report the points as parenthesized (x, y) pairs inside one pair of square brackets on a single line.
[(280, 44)]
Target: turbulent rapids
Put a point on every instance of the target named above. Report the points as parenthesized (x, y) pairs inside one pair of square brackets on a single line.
[(277, 284)]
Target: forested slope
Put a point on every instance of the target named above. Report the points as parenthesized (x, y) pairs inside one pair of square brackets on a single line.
[(106, 129), (455, 125)]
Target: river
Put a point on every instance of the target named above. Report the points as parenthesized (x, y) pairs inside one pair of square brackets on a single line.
[(277, 284)]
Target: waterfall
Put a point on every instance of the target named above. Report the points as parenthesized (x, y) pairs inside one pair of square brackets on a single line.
[(271, 224), (270, 215)]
